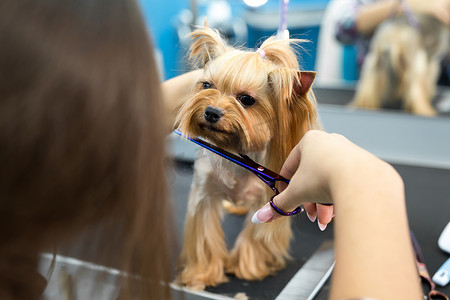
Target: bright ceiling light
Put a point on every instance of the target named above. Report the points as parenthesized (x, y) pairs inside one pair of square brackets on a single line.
[(255, 3)]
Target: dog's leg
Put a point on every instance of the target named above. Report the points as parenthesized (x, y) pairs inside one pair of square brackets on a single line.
[(420, 87), (368, 93), (204, 249), (260, 249)]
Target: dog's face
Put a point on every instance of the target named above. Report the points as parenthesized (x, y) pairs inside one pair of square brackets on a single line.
[(245, 100), (232, 106)]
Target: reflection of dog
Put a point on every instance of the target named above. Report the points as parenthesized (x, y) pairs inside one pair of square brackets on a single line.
[(250, 102), (402, 67)]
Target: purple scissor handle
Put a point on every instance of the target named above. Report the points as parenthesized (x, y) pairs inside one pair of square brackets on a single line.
[(269, 177)]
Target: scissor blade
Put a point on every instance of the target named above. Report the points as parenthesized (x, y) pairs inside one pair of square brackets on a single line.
[(243, 161)]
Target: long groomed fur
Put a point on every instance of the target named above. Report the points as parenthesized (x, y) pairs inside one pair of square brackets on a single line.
[(402, 66), (264, 106)]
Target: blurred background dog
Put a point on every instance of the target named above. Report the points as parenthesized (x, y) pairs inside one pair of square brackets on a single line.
[(402, 67)]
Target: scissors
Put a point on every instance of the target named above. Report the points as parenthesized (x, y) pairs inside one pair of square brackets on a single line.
[(269, 177)]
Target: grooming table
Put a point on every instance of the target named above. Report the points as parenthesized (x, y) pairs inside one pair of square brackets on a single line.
[(428, 204)]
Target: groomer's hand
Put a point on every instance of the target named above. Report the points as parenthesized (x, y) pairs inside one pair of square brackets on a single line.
[(311, 166), (369, 199), (440, 9)]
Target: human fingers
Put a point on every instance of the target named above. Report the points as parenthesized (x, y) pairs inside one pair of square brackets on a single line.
[(444, 16), (265, 214), (442, 13), (287, 203), (440, 9), (290, 166), (325, 214), (311, 211), (292, 162), (308, 166)]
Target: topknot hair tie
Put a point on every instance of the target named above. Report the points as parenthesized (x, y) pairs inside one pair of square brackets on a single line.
[(261, 52)]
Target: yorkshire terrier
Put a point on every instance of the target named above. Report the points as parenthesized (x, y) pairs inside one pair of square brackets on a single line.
[(256, 103), (402, 67)]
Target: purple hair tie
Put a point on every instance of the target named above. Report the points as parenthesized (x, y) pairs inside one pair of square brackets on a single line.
[(261, 52)]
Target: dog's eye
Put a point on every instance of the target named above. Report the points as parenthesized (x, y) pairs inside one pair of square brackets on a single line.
[(246, 100), (207, 85)]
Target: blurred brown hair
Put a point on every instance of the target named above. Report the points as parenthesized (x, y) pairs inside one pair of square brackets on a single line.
[(81, 135)]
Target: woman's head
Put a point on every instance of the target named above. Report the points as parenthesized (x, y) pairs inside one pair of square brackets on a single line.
[(80, 128)]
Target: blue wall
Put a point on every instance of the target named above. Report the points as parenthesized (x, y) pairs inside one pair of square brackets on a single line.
[(308, 51), (161, 15)]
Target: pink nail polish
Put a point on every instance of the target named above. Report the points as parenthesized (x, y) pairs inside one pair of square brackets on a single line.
[(322, 226), (263, 215), (312, 219)]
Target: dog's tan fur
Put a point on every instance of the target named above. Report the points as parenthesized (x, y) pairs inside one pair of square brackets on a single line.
[(402, 66), (266, 131)]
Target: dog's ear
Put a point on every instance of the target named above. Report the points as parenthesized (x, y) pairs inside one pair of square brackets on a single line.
[(303, 85), (296, 111), (285, 82), (207, 44)]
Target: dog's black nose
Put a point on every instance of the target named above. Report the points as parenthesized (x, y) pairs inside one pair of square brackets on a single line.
[(213, 114)]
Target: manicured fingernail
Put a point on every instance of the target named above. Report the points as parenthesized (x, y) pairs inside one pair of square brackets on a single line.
[(312, 219), (322, 226), (263, 215)]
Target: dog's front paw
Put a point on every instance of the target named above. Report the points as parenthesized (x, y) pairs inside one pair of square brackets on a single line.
[(231, 208), (198, 277)]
